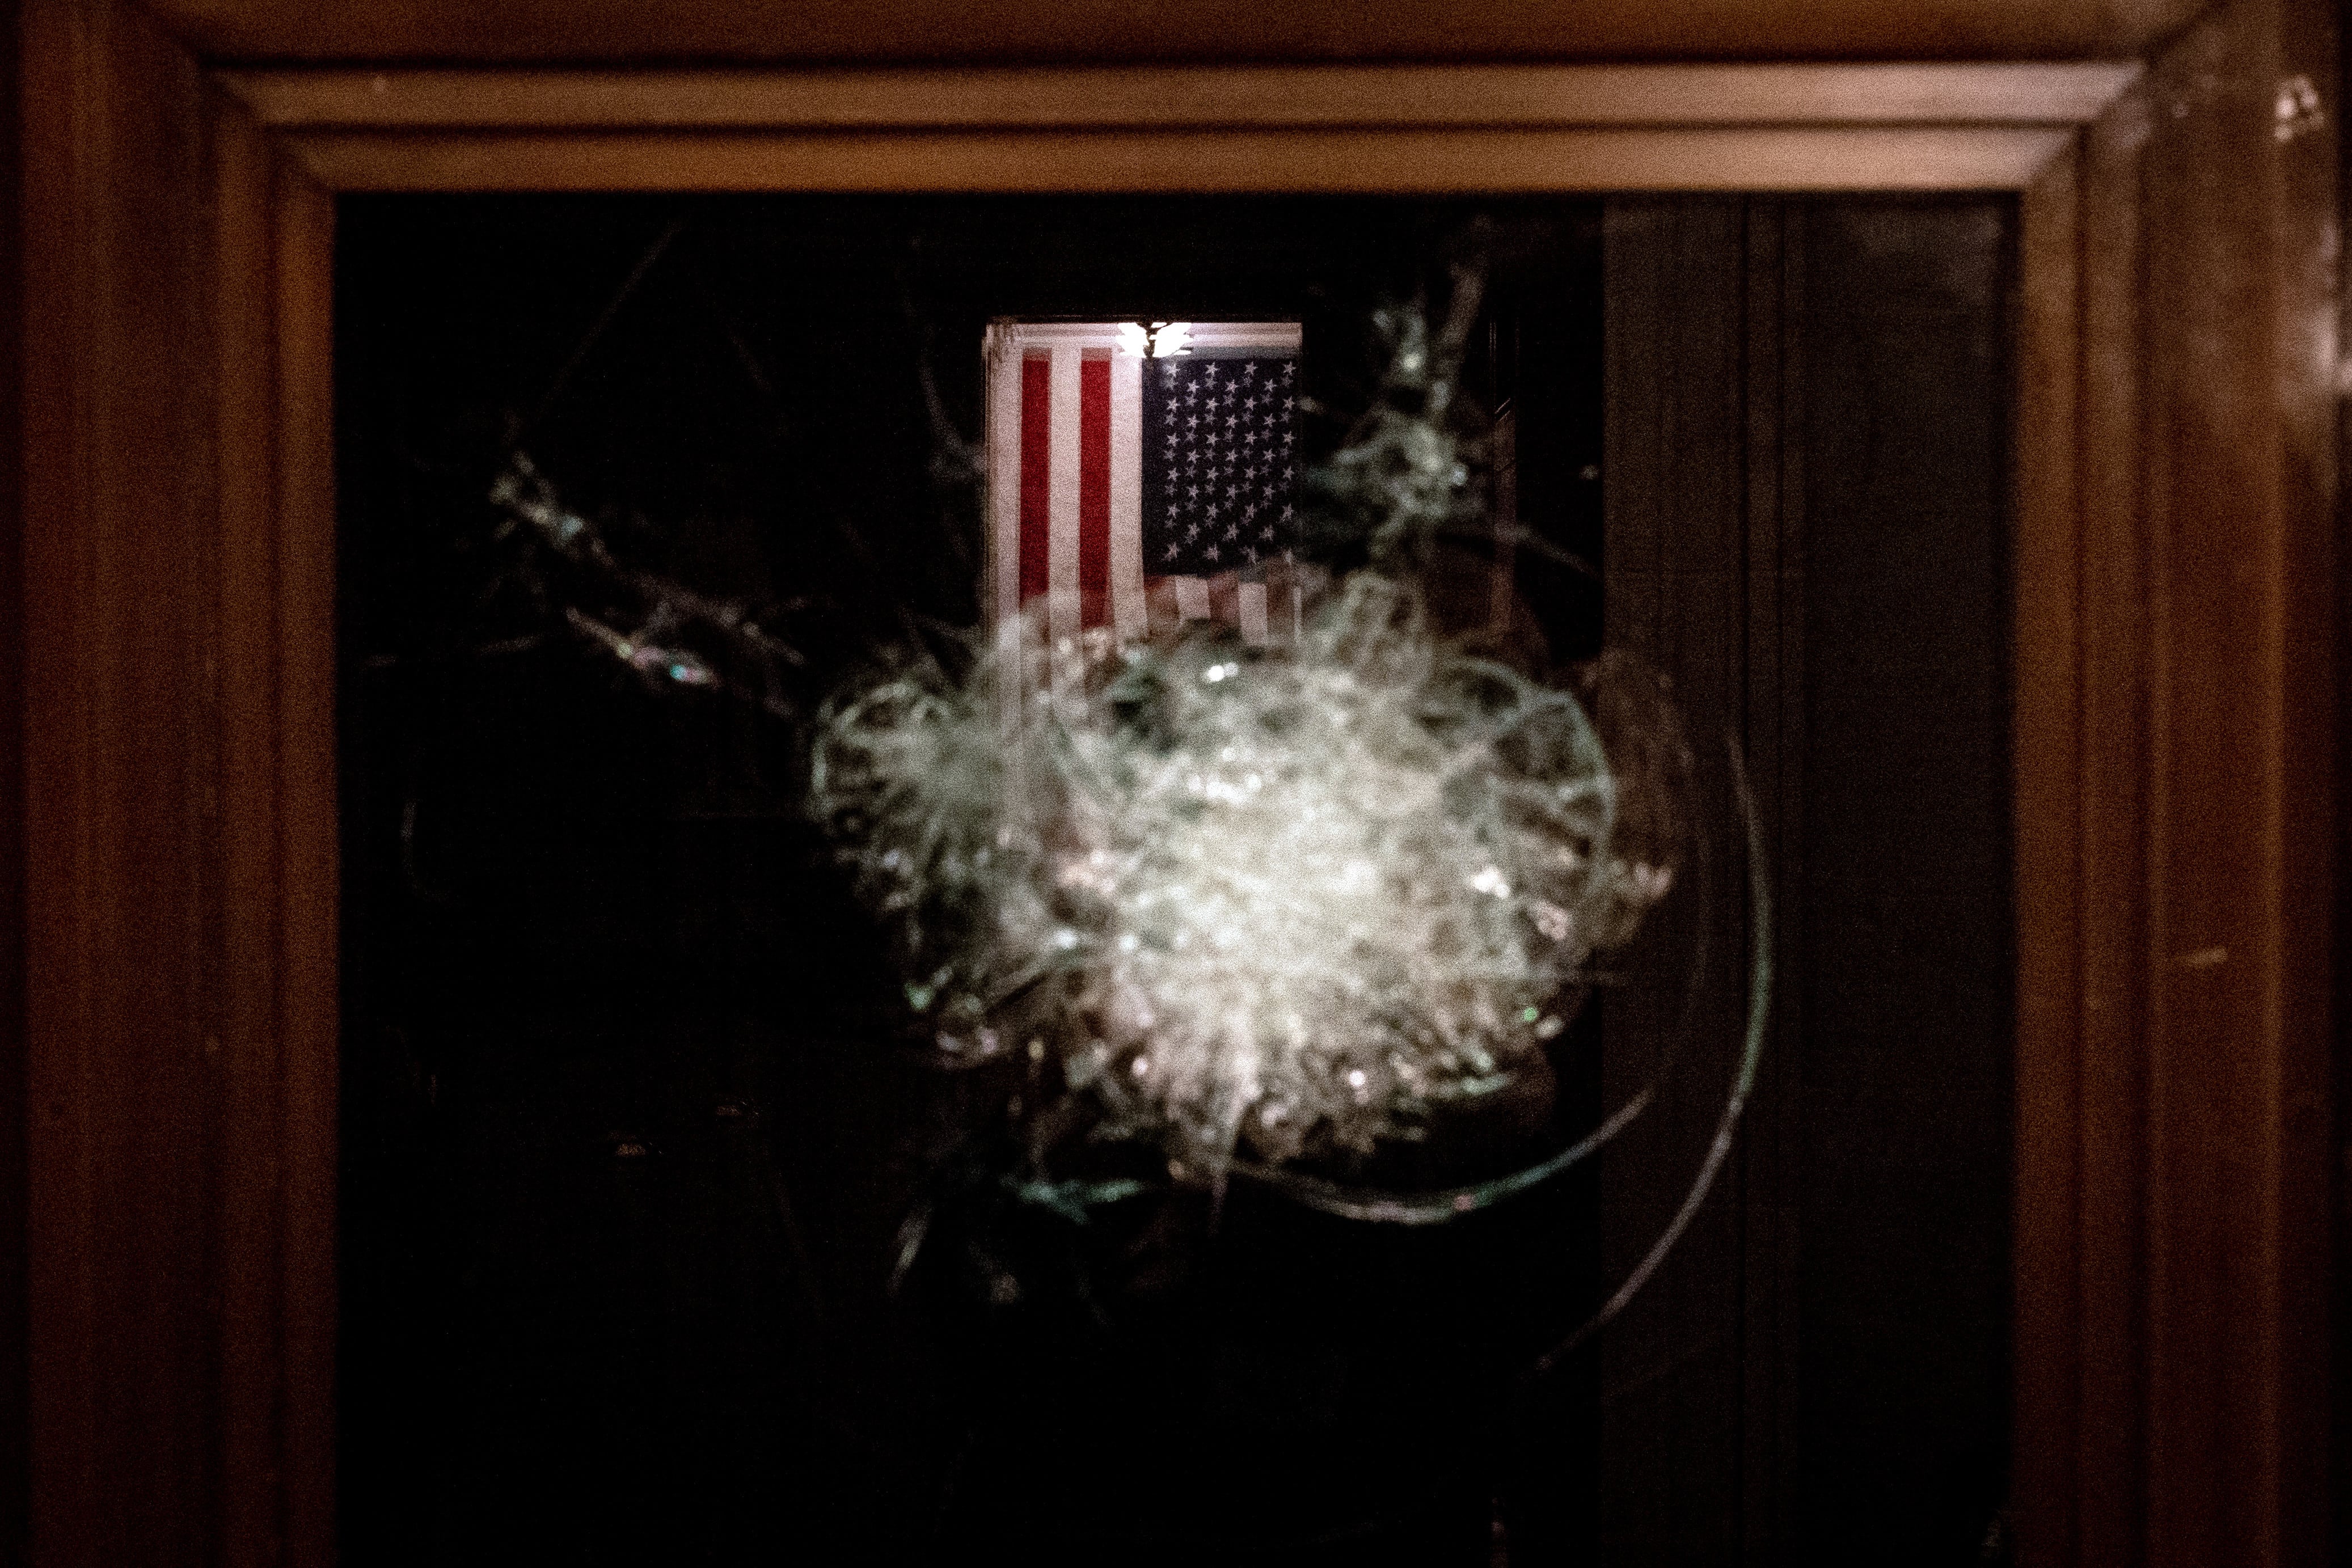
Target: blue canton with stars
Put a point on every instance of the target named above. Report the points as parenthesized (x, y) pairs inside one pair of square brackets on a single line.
[(1220, 463)]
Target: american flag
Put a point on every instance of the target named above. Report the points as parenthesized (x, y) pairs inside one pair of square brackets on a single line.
[(1136, 486)]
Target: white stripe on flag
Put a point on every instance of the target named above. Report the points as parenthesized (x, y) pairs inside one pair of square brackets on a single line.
[(1005, 478), (1062, 605), (1252, 600), (1128, 612), (1191, 598), (1004, 509)]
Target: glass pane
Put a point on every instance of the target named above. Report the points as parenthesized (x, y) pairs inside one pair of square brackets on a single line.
[(670, 1231)]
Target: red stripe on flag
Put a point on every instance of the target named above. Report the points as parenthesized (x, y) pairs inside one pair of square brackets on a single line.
[(1036, 444), (1094, 491)]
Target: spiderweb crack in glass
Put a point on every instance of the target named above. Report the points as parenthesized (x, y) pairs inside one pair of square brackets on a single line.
[(1285, 905)]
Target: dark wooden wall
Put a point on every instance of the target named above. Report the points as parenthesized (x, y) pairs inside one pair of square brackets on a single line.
[(1806, 532), (13, 1430)]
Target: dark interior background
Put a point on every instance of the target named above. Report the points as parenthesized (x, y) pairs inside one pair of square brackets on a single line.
[(1805, 526), (630, 1125)]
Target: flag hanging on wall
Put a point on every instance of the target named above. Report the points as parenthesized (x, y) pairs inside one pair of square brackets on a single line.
[(1144, 475)]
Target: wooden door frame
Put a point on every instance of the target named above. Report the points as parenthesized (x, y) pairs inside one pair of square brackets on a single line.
[(2173, 724)]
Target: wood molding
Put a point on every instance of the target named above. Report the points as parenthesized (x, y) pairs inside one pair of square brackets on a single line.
[(115, 479), (2045, 741), (310, 1002), (1356, 128), (249, 922), (831, 32), (273, 681), (2174, 763), (2238, 213), (1168, 97), (1864, 158), (16, 1370), (179, 814)]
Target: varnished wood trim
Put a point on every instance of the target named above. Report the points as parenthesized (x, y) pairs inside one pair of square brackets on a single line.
[(1165, 97), (2240, 739), (243, 666), (2081, 767), (15, 1364), (2111, 785), (1872, 158), (2045, 741), (2174, 734), (2285, 1258), (308, 1018), (276, 1045), (2305, 995), (273, 1044), (971, 31), (117, 477)]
